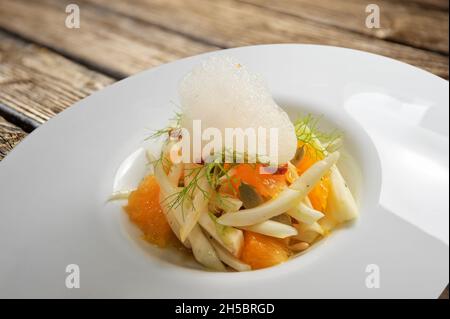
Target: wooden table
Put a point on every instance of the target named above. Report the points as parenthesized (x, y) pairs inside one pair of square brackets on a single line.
[(45, 67)]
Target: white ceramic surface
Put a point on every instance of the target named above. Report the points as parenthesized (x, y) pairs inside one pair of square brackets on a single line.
[(54, 186)]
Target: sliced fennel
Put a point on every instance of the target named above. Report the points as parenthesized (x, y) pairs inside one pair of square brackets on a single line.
[(305, 214), (229, 237), (277, 206), (292, 173), (272, 228), (171, 219), (203, 252), (313, 174), (228, 258), (120, 195), (199, 205), (175, 173), (341, 205), (226, 203), (309, 233), (163, 181), (327, 223), (308, 202)]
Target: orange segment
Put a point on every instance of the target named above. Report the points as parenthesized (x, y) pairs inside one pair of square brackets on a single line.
[(310, 156), (319, 194), (262, 251), (268, 185), (145, 211)]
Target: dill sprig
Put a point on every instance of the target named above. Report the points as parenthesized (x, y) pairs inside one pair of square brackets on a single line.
[(308, 132), (175, 124), (216, 172), (187, 192), (212, 172)]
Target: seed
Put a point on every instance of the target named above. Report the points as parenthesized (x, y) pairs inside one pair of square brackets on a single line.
[(249, 196), (299, 246)]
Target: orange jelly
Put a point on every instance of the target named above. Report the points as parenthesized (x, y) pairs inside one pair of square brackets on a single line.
[(145, 211)]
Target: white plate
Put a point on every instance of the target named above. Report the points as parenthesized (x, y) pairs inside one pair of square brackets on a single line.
[(54, 184)]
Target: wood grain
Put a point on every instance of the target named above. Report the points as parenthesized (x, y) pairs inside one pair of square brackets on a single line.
[(39, 83), (10, 135), (112, 43), (229, 23), (400, 22), (445, 294), (436, 4)]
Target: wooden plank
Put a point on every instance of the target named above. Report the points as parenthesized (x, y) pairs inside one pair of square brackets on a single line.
[(229, 23), (402, 22), (10, 135), (437, 4), (444, 294), (113, 43), (39, 83)]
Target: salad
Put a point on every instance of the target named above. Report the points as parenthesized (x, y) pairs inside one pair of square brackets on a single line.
[(239, 207)]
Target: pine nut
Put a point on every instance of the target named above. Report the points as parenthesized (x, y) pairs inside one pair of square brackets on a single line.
[(299, 246)]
